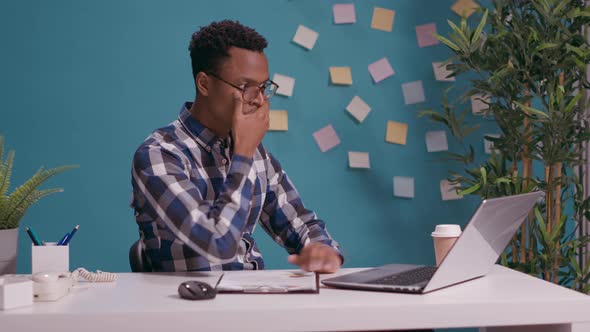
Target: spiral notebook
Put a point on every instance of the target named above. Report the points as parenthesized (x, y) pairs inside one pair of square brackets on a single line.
[(269, 282)]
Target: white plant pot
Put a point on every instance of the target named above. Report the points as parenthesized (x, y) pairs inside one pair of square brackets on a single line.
[(8, 250)]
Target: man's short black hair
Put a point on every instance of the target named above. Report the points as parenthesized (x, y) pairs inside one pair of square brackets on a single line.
[(210, 44)]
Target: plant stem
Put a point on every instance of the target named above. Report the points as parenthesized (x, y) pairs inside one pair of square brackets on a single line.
[(557, 219), (549, 210)]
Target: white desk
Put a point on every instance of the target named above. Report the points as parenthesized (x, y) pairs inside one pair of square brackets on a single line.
[(149, 302)]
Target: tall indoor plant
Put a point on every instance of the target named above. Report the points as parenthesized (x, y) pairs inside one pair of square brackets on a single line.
[(527, 62), (13, 206)]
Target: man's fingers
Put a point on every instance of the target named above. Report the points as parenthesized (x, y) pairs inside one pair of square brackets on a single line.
[(293, 259)]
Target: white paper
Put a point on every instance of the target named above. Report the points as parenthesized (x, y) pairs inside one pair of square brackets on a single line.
[(305, 37), (358, 159), (358, 108), (436, 141), (262, 281), (286, 84), (448, 192), (477, 105), (403, 186), (488, 145), (441, 72)]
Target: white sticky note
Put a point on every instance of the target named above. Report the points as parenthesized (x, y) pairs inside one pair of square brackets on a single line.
[(358, 108), (380, 70), (286, 84), (326, 138), (344, 13), (448, 191), (279, 121), (441, 72), (358, 159), (403, 186), (436, 141), (478, 106), (489, 145), (305, 37), (413, 92)]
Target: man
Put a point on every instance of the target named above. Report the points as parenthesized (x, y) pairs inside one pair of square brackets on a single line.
[(202, 183)]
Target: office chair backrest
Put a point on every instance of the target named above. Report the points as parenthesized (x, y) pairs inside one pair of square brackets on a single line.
[(138, 259)]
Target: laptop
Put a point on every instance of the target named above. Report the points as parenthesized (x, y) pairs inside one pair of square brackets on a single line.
[(472, 256)]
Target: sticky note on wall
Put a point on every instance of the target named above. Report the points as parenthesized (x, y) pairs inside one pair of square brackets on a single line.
[(326, 138), (448, 191), (397, 132), (340, 75), (344, 13), (286, 84), (305, 37), (358, 159), (279, 121), (436, 141), (413, 92), (425, 34), (478, 104), (403, 186), (358, 108), (489, 145), (441, 72), (382, 19), (380, 70), (464, 7)]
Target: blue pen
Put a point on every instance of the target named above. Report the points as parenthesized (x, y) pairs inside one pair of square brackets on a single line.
[(67, 240), (63, 239)]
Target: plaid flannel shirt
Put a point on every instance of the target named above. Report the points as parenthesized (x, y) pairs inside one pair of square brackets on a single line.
[(197, 204)]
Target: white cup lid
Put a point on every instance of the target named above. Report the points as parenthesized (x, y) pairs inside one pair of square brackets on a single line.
[(446, 230)]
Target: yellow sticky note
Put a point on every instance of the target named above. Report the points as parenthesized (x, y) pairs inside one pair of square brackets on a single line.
[(278, 121), (397, 132), (382, 19), (341, 75), (464, 7)]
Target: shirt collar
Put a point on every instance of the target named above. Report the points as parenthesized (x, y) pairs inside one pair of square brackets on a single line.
[(203, 135)]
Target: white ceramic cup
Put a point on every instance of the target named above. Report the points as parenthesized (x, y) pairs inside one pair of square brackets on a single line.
[(444, 236)]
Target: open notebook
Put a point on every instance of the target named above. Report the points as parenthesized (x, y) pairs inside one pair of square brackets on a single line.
[(268, 282)]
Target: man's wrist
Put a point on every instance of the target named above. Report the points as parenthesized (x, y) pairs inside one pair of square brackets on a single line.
[(244, 153)]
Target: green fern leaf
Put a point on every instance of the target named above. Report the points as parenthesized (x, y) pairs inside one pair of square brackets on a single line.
[(1, 148), (29, 201), (19, 198), (5, 173)]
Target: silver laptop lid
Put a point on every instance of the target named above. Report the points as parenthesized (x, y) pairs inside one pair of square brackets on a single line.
[(484, 239)]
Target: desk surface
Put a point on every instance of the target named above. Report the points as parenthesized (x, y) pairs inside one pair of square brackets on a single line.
[(149, 302)]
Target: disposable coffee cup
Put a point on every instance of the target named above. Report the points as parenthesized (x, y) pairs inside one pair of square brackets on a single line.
[(444, 236)]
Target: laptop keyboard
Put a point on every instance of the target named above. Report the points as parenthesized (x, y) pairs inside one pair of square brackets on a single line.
[(406, 278)]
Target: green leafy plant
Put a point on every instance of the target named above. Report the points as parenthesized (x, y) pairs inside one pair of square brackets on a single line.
[(527, 62), (13, 206)]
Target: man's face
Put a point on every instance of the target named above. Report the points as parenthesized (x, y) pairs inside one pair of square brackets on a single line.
[(243, 67)]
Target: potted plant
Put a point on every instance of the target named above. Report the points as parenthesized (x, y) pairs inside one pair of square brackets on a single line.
[(13, 206), (527, 63)]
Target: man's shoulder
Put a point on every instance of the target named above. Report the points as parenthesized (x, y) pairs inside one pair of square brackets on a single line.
[(164, 138)]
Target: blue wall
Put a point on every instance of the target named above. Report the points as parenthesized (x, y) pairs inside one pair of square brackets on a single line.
[(85, 82)]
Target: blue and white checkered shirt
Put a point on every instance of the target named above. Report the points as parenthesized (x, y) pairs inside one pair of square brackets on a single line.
[(197, 205)]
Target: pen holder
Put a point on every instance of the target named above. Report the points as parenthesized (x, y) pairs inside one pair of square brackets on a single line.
[(50, 258)]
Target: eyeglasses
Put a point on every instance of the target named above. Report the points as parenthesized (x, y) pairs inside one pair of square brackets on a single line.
[(268, 89)]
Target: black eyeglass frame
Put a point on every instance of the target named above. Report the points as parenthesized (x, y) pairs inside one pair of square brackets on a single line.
[(261, 87)]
